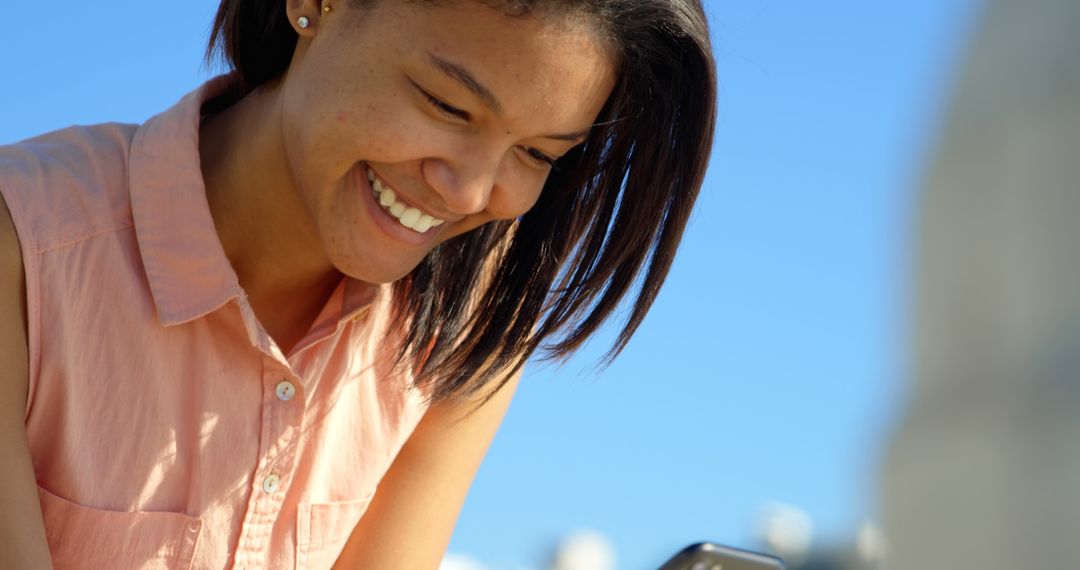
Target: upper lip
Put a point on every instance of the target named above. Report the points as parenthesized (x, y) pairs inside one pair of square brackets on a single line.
[(410, 201)]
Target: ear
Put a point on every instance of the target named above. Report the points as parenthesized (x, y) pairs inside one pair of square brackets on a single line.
[(305, 15)]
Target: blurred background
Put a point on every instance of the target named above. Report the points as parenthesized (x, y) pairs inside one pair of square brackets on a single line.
[(756, 404)]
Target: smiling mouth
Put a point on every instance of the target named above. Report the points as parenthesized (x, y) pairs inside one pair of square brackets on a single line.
[(406, 215)]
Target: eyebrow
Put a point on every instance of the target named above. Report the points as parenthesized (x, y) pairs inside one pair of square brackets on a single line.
[(462, 76), (467, 80)]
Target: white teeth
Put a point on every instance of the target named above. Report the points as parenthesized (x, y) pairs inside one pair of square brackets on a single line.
[(409, 217), (423, 224), (387, 198)]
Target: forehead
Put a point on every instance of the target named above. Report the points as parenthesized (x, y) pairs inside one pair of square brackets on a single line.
[(549, 61)]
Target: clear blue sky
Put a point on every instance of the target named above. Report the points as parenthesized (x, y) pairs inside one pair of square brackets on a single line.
[(772, 365)]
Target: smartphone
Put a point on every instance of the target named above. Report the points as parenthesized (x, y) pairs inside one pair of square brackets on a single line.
[(709, 556)]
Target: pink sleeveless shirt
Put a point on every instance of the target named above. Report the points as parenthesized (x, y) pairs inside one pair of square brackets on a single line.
[(167, 428)]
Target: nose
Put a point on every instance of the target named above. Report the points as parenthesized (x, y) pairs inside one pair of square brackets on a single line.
[(465, 186)]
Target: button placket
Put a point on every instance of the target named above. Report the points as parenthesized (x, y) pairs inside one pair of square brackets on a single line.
[(282, 417), (284, 427)]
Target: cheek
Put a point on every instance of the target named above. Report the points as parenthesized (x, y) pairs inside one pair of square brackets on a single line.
[(516, 190), (377, 131), (512, 200), (335, 123)]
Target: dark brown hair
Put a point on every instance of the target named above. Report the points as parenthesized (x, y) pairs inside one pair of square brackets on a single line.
[(607, 223)]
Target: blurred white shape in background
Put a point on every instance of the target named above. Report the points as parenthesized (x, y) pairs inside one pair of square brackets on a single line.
[(786, 530), (454, 561), (584, 550), (870, 544)]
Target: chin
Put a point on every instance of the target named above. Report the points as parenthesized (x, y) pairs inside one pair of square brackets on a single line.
[(372, 271)]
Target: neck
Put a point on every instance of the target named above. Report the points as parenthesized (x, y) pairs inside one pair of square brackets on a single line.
[(277, 255)]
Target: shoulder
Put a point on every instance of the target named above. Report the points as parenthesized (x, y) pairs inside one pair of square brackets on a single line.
[(67, 182), (80, 150)]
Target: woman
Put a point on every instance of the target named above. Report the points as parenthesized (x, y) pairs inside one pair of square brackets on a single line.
[(319, 275)]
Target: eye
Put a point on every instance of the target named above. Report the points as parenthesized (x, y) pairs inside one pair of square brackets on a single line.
[(445, 109), (537, 158), (441, 106)]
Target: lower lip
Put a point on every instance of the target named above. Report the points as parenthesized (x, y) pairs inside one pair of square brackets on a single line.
[(387, 223)]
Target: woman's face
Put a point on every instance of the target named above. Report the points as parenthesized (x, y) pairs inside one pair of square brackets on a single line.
[(455, 110)]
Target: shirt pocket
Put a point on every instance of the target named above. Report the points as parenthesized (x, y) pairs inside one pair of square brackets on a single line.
[(84, 537), (323, 529)]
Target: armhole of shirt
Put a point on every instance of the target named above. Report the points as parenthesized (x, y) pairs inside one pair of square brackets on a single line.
[(28, 248)]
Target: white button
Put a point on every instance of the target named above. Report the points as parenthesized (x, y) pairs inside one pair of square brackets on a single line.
[(271, 483), (285, 390)]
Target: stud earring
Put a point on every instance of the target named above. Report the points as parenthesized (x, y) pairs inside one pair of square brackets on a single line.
[(303, 22), (326, 9)]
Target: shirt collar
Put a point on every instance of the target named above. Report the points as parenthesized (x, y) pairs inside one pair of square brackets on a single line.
[(186, 267)]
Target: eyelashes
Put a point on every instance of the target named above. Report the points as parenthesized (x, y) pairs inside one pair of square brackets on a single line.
[(441, 106), (445, 109), (540, 157)]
